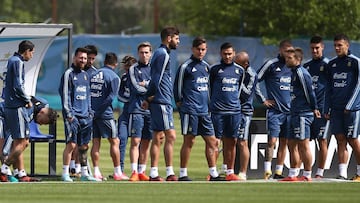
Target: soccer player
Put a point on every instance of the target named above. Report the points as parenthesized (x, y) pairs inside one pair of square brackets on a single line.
[(41, 114), (16, 105), (191, 93), (303, 108), (317, 68), (90, 68), (74, 90), (123, 120), (159, 97), (277, 83), (104, 87), (247, 109), (140, 120), (342, 103), (226, 79)]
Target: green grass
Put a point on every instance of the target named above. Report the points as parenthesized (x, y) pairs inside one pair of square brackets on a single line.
[(52, 190), (179, 192)]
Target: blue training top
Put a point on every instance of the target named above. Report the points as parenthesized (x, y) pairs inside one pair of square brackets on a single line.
[(225, 88), (248, 91), (191, 86)]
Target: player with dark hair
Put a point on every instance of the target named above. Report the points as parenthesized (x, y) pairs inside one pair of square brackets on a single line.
[(318, 70), (159, 99), (342, 103), (277, 80), (191, 93), (225, 81), (104, 87), (74, 90)]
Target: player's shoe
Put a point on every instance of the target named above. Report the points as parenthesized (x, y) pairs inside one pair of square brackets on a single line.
[(277, 176), (4, 177), (267, 175), (134, 176), (305, 179), (66, 178), (171, 178), (184, 178), (89, 178), (242, 177), (356, 178), (318, 177), (289, 179), (28, 179), (232, 177), (218, 178), (12, 179), (119, 177), (143, 177), (340, 177), (98, 176), (157, 178)]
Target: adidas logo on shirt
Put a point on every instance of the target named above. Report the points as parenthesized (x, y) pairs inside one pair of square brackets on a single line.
[(193, 70), (278, 69), (220, 71)]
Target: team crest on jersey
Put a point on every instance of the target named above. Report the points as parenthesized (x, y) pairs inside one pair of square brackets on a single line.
[(321, 68), (193, 69), (237, 71), (278, 69), (349, 64), (75, 78), (206, 69), (334, 65), (85, 78)]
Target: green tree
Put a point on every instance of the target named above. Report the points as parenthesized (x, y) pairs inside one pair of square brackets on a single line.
[(271, 20)]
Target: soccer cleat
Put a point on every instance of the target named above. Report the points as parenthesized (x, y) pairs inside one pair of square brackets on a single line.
[(66, 178), (171, 178), (232, 177), (89, 178), (356, 178), (277, 176), (242, 176), (143, 177), (318, 176), (118, 177), (340, 177), (28, 179), (98, 176), (218, 178), (289, 179), (267, 175), (157, 178), (123, 176), (12, 179), (4, 177), (134, 176), (305, 179), (75, 175), (184, 178)]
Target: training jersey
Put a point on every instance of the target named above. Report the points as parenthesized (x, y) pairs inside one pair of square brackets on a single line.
[(138, 72), (91, 70), (277, 78), (344, 84), (319, 74), (124, 91), (248, 91), (14, 89), (104, 87), (75, 93), (191, 86), (161, 86), (225, 82), (303, 97)]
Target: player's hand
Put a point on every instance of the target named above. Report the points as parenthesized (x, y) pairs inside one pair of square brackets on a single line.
[(327, 116), (346, 111), (317, 113), (178, 104), (145, 105), (269, 103)]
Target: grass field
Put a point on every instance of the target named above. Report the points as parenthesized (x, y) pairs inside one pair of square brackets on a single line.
[(53, 190)]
